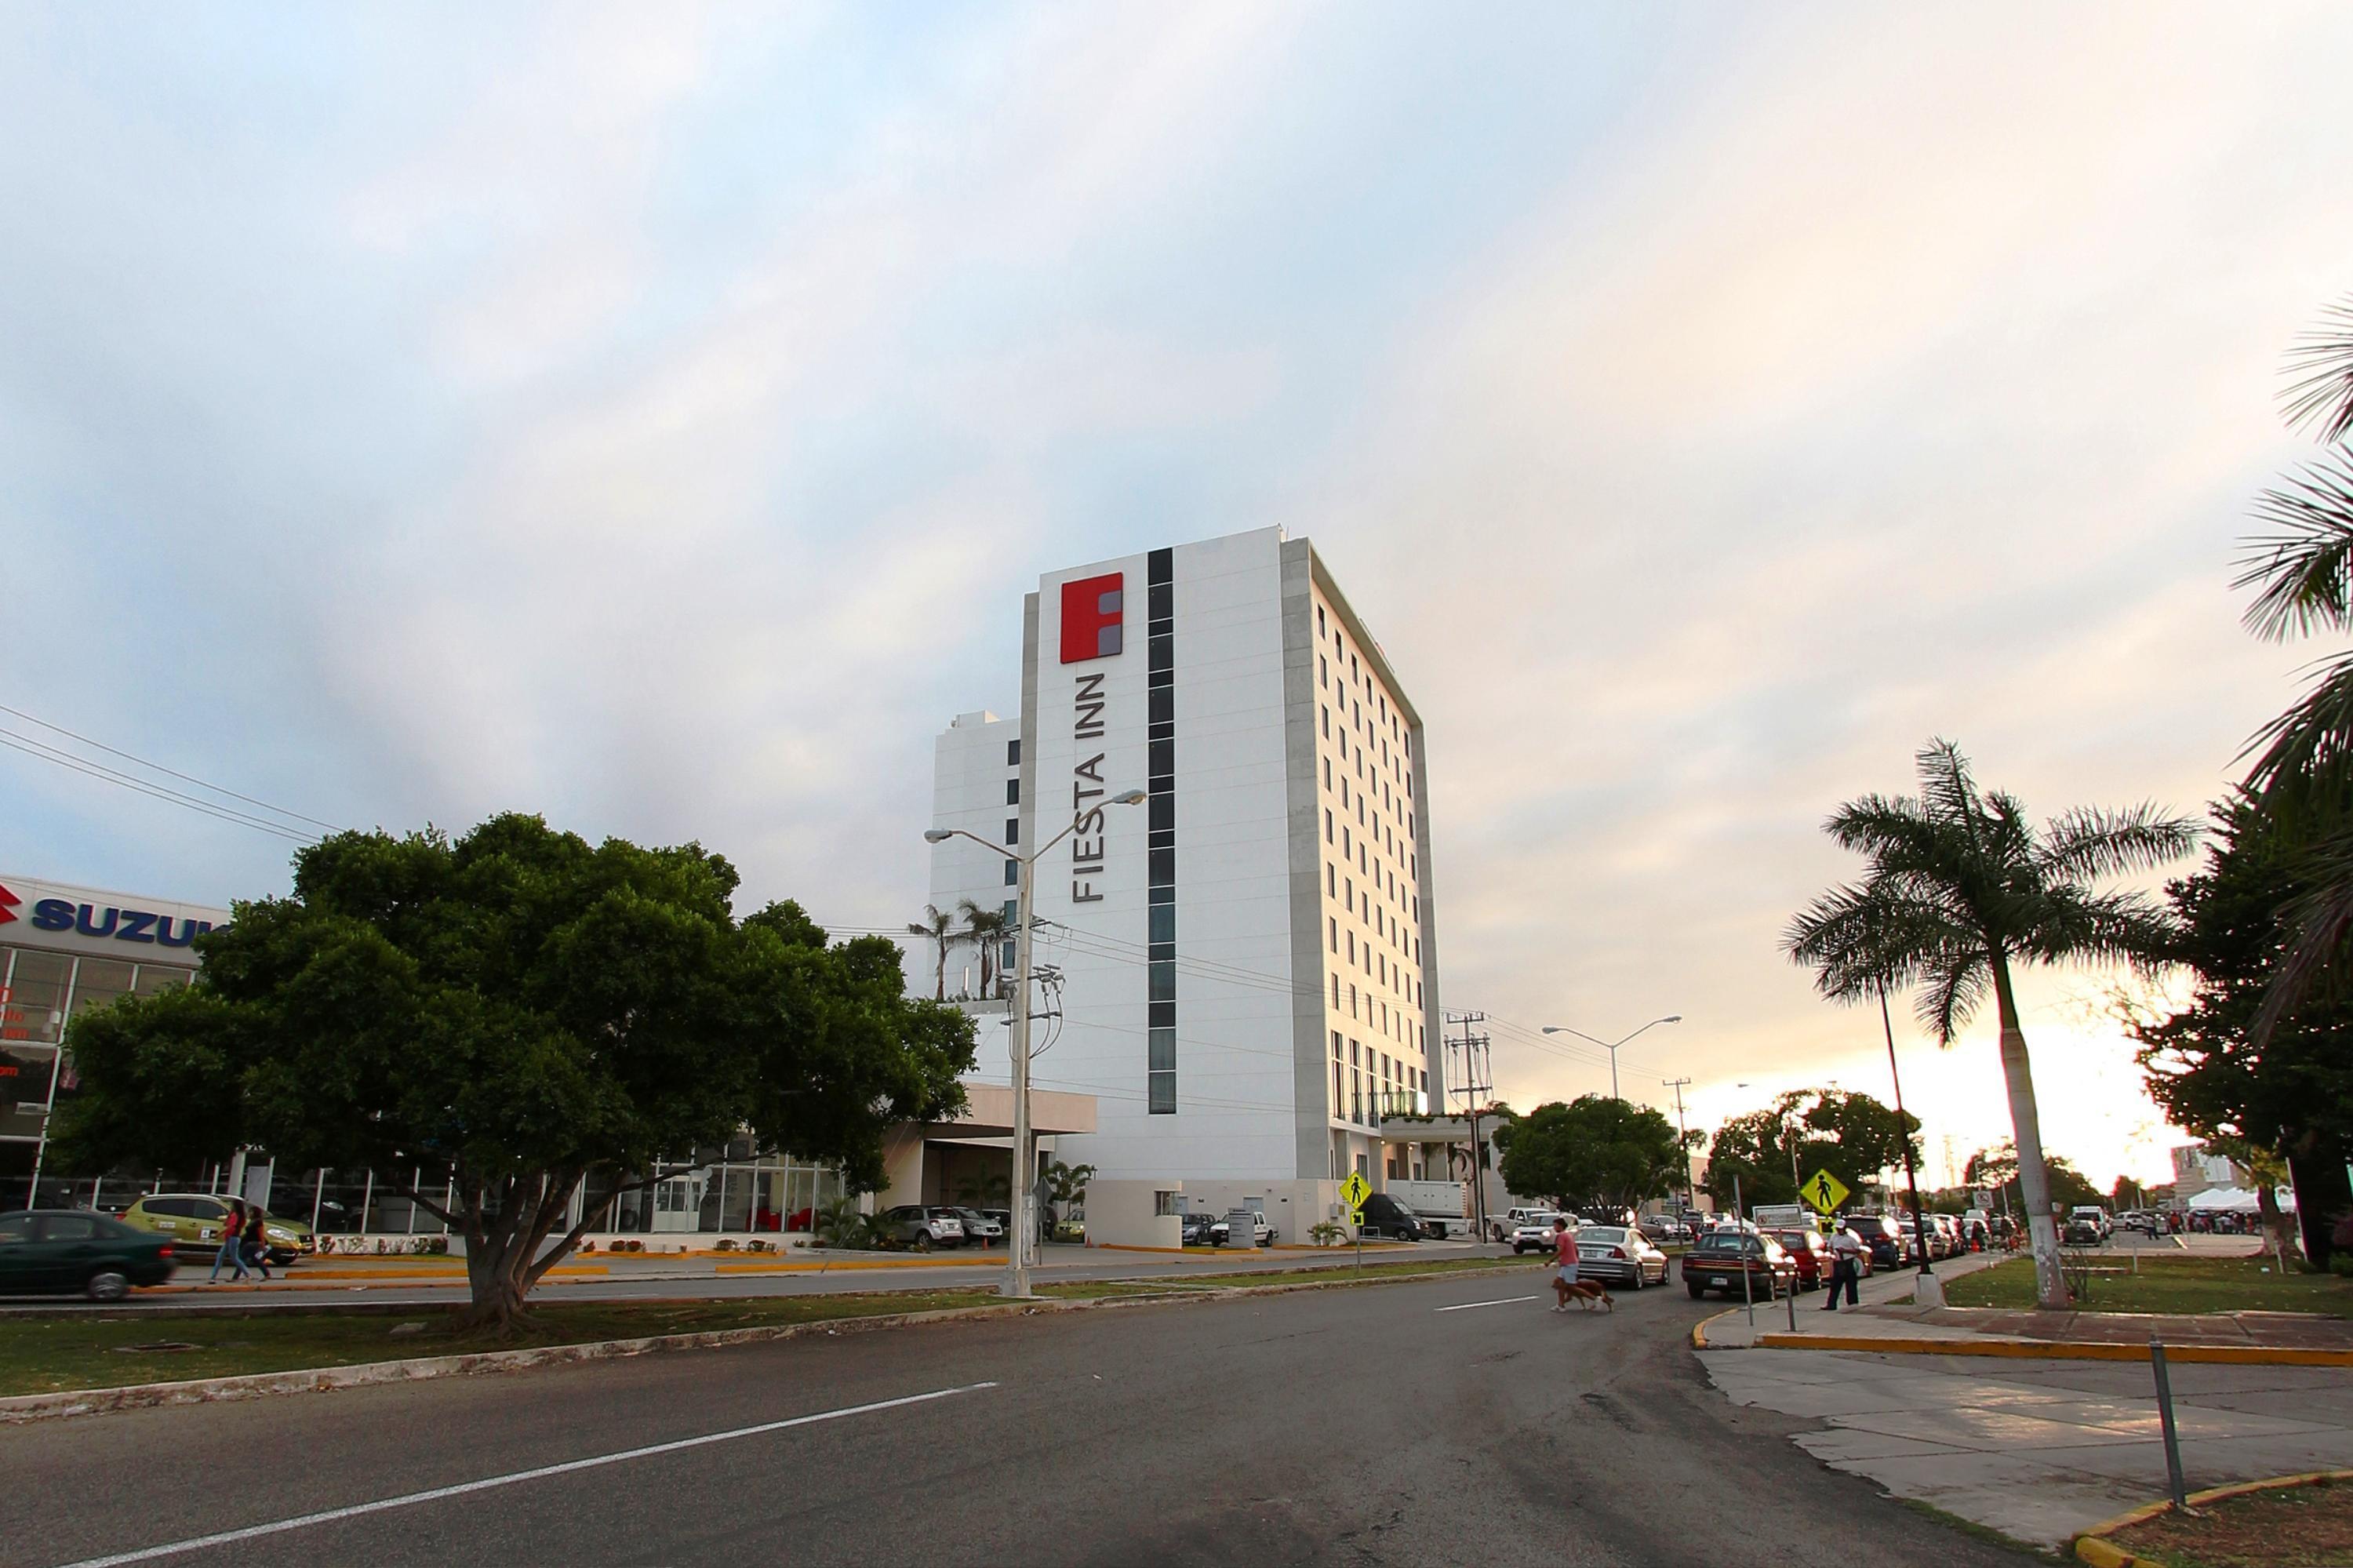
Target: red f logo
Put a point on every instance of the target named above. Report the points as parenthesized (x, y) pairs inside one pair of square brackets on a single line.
[(8, 901), (1090, 618)]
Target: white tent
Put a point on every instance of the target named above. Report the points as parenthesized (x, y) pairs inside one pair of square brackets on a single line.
[(2237, 1201)]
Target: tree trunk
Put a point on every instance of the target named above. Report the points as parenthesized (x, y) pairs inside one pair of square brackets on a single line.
[(2324, 1195), (506, 1254), (2026, 1127)]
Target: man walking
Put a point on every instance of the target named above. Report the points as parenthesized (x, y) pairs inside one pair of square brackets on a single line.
[(1846, 1268)]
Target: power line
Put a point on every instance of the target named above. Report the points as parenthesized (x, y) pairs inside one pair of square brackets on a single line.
[(44, 752), (171, 772)]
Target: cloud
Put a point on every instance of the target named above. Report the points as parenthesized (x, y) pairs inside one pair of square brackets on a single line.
[(656, 420)]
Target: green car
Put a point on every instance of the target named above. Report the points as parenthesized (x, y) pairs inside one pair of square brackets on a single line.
[(75, 1250), (195, 1220)]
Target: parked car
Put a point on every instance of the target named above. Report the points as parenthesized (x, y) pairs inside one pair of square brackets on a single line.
[(2082, 1231), (2148, 1221), (921, 1226), (1811, 1251), (1385, 1216), (1666, 1229), (1719, 1259), (1071, 1230), (195, 1220), (1622, 1253), (979, 1230), (1201, 1229), (1502, 1227), (1533, 1233), (2095, 1216), (79, 1251)]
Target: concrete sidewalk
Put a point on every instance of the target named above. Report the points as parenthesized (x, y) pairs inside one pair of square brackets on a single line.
[(2042, 1449), (2038, 1448)]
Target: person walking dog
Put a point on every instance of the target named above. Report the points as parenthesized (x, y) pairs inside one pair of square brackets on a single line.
[(1846, 1268), (232, 1250)]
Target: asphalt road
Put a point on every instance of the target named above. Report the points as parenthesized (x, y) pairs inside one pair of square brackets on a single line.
[(1363, 1425)]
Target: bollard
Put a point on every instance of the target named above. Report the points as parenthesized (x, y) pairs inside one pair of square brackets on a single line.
[(2164, 1420)]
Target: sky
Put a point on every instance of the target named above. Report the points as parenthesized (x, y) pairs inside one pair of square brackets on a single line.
[(652, 417)]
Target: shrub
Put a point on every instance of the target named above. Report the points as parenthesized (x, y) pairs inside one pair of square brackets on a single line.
[(726, 1243)]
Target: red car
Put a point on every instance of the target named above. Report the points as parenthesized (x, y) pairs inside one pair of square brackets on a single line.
[(1811, 1253)]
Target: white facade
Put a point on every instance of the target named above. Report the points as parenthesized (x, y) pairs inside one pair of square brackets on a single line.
[(1245, 963)]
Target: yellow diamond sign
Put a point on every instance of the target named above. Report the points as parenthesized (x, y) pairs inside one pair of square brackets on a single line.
[(1823, 1191), (1356, 1189)]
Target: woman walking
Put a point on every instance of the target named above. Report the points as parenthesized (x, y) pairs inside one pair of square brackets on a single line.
[(231, 1247), (254, 1240)]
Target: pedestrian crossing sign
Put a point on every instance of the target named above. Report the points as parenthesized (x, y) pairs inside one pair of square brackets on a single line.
[(1356, 1189), (1823, 1191)]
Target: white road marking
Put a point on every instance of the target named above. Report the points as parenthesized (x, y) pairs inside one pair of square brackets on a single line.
[(1506, 1301), (250, 1532)]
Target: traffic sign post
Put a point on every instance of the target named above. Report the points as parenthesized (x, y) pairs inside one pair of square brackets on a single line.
[(1823, 1192), (1353, 1192)]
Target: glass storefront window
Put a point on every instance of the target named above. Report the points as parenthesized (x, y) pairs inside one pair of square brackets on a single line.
[(35, 1003)]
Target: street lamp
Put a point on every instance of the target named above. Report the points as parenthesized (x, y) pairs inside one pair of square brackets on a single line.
[(1016, 1267), (1612, 1046)]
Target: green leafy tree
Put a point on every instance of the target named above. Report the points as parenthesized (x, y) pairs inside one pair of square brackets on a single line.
[(1853, 1136), (1960, 888), (2293, 1093), (939, 927), (1594, 1152), (1746, 1162), (530, 1013)]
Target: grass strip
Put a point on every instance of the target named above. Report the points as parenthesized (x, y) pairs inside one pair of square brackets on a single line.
[(2308, 1526), (2175, 1284), (53, 1355)]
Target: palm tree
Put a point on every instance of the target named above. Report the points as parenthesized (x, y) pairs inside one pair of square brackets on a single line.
[(984, 928), (2302, 572), (1960, 887), (939, 926)]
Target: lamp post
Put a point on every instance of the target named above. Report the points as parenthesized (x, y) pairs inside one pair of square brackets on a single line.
[(1017, 1265), (1612, 1046)]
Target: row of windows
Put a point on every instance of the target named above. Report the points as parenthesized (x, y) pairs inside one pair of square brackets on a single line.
[(1160, 734), (1391, 1080)]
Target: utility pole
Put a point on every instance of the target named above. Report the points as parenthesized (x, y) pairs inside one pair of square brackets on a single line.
[(1683, 1133), (1471, 1044)]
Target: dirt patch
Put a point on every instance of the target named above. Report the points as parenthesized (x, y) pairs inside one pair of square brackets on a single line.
[(2289, 1527)]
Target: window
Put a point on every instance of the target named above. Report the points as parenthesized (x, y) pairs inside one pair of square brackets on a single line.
[(1006, 959), (1330, 880), (1336, 932), (1319, 621), (1335, 991), (1163, 981), (1327, 773), (1013, 752), (1327, 824), (1012, 874), (14, 1228), (1327, 721), (1160, 1094), (1013, 791), (1012, 829), (1351, 946), (1163, 923), (1162, 1204), (1323, 671)]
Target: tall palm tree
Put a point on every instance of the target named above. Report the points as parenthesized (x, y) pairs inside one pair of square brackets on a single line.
[(2303, 571), (1960, 887), (984, 929), (939, 926)]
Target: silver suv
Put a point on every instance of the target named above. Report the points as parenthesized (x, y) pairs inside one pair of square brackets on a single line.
[(1535, 1233), (920, 1227)]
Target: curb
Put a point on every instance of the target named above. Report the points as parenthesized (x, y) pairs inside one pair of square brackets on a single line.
[(2058, 1350), (2090, 1546), (20, 1409)]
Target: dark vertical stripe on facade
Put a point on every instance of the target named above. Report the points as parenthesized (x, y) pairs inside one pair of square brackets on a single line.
[(1160, 914)]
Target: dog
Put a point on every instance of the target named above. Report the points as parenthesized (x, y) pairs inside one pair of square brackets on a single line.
[(1587, 1294)]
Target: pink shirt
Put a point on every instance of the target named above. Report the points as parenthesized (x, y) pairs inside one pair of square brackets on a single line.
[(1564, 1249)]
